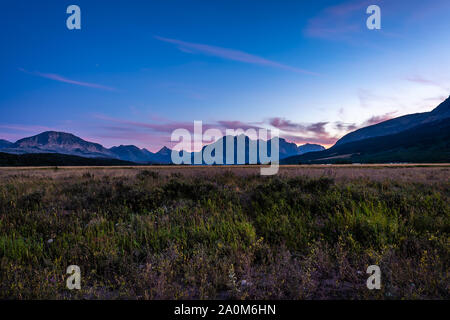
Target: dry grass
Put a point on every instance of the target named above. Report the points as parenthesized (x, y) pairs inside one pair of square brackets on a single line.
[(421, 173)]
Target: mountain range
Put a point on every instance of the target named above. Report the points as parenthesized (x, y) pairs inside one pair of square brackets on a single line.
[(52, 142)]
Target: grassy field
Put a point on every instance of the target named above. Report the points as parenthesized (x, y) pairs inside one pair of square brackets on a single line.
[(225, 233)]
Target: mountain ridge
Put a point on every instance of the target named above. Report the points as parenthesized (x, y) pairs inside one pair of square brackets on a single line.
[(69, 144), (399, 124)]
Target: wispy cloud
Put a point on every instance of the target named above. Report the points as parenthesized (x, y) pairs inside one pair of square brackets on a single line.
[(289, 126), (425, 81), (337, 21), (60, 78), (377, 119), (229, 54), (346, 127), (421, 80)]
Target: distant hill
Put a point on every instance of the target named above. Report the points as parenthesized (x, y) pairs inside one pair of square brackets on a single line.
[(310, 148), (133, 153), (59, 142), (54, 159), (288, 149), (428, 142), (399, 124), (5, 144)]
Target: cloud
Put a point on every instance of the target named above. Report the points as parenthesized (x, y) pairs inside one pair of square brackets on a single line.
[(338, 21), (341, 126), (229, 54), (349, 127), (318, 128), (301, 133), (421, 80), (424, 81), (168, 126), (289, 126), (127, 125), (377, 119), (59, 78)]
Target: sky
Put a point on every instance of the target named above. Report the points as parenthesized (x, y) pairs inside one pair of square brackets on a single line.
[(137, 70)]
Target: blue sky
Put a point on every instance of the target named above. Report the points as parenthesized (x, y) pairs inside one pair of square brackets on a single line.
[(139, 69)]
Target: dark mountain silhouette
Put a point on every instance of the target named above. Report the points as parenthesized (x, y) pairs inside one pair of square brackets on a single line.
[(163, 156), (242, 142), (5, 144), (133, 153), (399, 124), (310, 148), (59, 142), (288, 149)]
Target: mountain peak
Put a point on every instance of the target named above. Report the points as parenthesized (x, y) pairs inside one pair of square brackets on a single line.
[(61, 142), (123, 147), (310, 147), (164, 151), (50, 137), (443, 108), (132, 153)]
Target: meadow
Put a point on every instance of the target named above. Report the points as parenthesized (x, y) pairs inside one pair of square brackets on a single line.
[(309, 232)]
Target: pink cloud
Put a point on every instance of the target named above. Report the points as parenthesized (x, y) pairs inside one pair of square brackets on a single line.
[(289, 126), (341, 126), (59, 78), (300, 133), (377, 119), (229, 54), (424, 81), (326, 141), (421, 80)]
